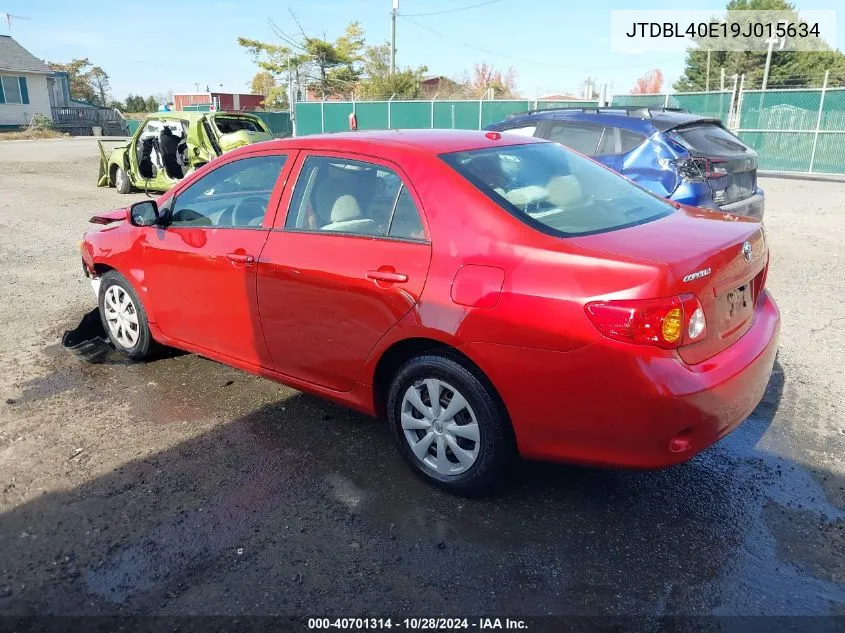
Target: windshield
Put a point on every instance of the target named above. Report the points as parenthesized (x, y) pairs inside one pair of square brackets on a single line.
[(556, 190), (229, 124)]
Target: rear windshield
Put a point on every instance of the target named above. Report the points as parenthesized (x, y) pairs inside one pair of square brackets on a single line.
[(556, 190), (228, 124), (709, 139)]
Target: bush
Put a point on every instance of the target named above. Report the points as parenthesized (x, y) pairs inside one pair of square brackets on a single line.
[(41, 122)]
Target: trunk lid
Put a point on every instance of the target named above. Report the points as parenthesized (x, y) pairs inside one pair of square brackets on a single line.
[(707, 254), (734, 162)]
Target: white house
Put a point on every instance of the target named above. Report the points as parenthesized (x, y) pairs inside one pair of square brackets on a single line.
[(23, 84)]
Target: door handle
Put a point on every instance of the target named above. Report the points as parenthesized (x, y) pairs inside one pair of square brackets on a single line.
[(240, 258), (386, 276)]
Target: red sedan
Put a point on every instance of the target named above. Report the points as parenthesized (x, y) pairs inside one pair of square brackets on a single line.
[(488, 294)]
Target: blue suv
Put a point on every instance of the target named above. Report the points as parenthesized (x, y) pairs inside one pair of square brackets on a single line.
[(688, 158)]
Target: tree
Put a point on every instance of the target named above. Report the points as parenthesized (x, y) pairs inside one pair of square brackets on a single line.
[(378, 83), (275, 96), (485, 78), (152, 104), (788, 68), (333, 66), (79, 79), (649, 84), (99, 81)]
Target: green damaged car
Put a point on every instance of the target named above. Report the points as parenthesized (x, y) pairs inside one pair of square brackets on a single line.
[(167, 146)]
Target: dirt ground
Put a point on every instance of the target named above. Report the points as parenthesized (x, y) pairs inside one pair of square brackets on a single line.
[(182, 486)]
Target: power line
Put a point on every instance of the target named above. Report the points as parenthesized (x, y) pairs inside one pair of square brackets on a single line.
[(529, 61), (472, 6)]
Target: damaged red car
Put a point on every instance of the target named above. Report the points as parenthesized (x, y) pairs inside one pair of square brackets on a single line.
[(488, 295)]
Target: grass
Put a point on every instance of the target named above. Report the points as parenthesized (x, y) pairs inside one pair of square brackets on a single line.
[(28, 135)]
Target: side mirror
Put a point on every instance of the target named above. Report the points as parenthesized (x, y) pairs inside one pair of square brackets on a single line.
[(143, 213)]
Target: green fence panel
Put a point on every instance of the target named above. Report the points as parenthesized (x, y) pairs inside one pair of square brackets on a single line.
[(336, 116), (308, 119), (833, 110), (637, 101), (495, 111), (711, 104), (781, 151), (278, 122), (410, 115), (132, 125), (460, 115), (779, 109), (554, 105), (371, 115), (830, 153)]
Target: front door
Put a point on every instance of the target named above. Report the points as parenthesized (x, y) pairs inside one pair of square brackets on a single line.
[(350, 261), (201, 267)]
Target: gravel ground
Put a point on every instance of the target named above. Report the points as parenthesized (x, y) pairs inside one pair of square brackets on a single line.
[(182, 486)]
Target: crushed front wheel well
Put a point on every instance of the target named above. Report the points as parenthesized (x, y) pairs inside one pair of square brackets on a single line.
[(102, 269)]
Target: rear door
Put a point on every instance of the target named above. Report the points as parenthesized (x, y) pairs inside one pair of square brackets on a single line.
[(347, 262)]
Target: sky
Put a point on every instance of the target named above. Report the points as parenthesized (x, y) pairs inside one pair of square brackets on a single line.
[(157, 46)]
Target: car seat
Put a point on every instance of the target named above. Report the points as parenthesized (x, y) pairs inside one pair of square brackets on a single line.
[(346, 217), (168, 143)]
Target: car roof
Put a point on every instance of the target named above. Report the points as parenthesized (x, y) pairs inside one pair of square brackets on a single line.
[(399, 141), (644, 119)]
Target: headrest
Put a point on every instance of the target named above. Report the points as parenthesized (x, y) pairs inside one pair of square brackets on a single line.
[(564, 190), (345, 208)]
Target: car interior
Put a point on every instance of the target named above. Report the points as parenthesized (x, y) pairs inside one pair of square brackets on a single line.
[(163, 145), (353, 197)]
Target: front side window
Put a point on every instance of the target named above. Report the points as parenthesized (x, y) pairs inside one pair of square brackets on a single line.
[(557, 191), (11, 89), (350, 196), (234, 195)]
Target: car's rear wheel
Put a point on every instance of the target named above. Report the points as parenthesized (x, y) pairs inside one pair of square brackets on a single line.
[(449, 424), (122, 182), (123, 317)]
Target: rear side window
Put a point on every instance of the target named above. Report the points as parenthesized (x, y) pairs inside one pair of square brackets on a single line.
[(580, 137), (342, 195), (230, 124), (710, 139), (557, 191), (619, 141)]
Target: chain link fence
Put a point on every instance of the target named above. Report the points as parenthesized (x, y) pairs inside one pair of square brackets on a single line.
[(792, 130)]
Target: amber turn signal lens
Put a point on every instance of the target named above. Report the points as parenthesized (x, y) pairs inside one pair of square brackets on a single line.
[(671, 328)]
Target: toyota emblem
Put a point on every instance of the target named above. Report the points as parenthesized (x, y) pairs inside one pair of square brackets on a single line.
[(746, 251)]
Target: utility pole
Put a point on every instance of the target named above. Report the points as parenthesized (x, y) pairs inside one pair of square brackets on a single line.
[(197, 85), (722, 79), (393, 36), (707, 79)]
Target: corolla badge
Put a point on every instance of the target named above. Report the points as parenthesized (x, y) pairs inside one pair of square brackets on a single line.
[(697, 275), (747, 251)]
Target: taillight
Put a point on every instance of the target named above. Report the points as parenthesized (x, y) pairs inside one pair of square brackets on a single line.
[(667, 323), (701, 169)]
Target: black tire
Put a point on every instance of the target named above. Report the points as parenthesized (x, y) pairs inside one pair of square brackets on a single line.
[(496, 448), (122, 182), (144, 346)]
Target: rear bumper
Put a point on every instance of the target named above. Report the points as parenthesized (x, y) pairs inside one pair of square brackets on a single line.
[(621, 405), (699, 195), (752, 207)]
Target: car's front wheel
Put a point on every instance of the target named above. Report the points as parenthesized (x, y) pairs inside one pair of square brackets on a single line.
[(449, 424), (123, 317), (122, 182)]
